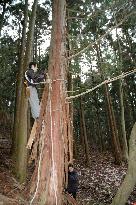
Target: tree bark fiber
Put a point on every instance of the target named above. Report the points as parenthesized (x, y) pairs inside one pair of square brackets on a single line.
[(48, 178)]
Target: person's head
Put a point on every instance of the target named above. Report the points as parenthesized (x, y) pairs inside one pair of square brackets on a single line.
[(33, 65), (70, 167)]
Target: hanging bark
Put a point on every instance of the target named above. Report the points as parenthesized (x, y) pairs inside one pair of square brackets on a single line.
[(70, 88), (22, 106), (68, 199), (48, 178), (130, 178), (70, 131)]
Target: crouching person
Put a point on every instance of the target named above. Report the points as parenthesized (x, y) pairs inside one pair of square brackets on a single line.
[(72, 187)]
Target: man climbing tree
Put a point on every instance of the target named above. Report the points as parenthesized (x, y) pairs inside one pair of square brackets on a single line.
[(33, 78)]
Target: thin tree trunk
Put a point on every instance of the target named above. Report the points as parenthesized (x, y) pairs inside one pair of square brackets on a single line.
[(115, 138), (86, 146), (125, 146), (116, 143), (70, 88), (124, 139), (99, 130), (81, 127)]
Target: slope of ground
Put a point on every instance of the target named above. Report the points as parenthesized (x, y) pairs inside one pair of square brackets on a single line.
[(99, 182), (9, 187)]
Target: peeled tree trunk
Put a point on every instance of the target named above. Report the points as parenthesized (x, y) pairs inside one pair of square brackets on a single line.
[(130, 180), (48, 178)]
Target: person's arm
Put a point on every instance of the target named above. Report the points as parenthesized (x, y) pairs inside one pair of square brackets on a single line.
[(39, 77)]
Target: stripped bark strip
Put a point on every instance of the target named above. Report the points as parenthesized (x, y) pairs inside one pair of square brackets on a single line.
[(36, 129), (66, 158), (69, 200), (70, 137)]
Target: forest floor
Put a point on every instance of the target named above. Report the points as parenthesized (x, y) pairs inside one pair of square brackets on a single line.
[(98, 182)]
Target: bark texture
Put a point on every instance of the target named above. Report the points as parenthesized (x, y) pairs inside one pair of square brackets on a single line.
[(52, 130), (22, 103)]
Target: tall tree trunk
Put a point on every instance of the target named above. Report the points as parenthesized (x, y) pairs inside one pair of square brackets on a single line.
[(85, 141), (22, 106), (81, 127), (49, 180), (99, 129), (70, 88), (130, 178), (119, 66), (113, 126), (98, 122), (115, 139), (19, 84), (125, 146)]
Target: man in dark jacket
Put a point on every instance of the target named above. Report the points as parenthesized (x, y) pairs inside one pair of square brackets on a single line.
[(33, 78), (72, 181)]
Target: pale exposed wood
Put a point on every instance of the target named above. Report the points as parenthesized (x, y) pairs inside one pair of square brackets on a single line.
[(69, 199), (32, 136)]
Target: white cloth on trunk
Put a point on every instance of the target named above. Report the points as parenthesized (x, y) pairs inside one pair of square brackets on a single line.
[(34, 102)]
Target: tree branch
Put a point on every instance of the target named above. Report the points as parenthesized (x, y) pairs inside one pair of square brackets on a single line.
[(99, 39)]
